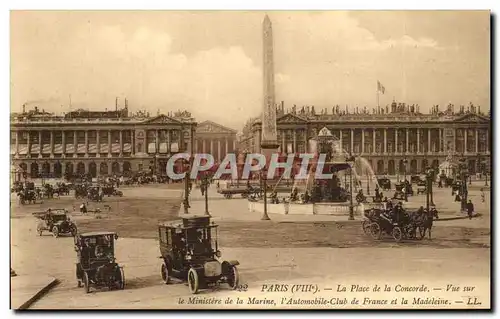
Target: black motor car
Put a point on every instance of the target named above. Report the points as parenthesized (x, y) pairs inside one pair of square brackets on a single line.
[(96, 266), (189, 252)]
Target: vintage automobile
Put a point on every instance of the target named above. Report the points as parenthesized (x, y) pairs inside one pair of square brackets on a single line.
[(421, 187), (415, 179), (189, 252), (385, 183), (96, 264), (55, 221)]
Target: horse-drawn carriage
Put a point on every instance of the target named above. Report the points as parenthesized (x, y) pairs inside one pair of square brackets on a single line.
[(61, 189), (398, 223), (27, 196), (81, 190), (94, 193), (110, 190), (47, 191), (55, 221)]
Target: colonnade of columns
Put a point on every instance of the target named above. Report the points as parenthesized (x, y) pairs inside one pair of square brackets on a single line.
[(214, 146), (67, 145), (385, 141)]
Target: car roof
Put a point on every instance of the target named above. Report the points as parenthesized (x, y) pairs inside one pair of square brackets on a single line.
[(179, 223), (97, 233), (58, 212)]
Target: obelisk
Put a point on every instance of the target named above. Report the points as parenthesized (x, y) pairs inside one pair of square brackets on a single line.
[(269, 140)]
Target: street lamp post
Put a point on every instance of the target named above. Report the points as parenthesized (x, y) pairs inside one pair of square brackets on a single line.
[(405, 161), (350, 161), (186, 189), (205, 184), (264, 181), (345, 181), (367, 184), (463, 173), (485, 173), (429, 185)]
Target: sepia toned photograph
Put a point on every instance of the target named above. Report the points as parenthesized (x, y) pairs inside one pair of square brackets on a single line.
[(271, 160)]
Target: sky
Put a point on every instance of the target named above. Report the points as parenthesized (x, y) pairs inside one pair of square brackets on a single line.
[(210, 63)]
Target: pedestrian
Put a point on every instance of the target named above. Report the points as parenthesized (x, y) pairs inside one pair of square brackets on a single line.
[(482, 195), (470, 209), (83, 208)]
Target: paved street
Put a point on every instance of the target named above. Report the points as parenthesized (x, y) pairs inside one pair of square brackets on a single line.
[(269, 252)]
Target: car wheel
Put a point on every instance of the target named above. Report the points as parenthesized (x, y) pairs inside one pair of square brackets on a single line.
[(375, 230), (233, 278), (165, 276), (121, 278), (86, 282), (193, 281), (366, 226), (397, 233), (55, 231)]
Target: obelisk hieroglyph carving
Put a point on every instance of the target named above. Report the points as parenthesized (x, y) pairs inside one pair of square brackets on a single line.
[(269, 140)]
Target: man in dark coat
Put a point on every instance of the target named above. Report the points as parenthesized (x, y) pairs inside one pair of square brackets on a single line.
[(470, 209)]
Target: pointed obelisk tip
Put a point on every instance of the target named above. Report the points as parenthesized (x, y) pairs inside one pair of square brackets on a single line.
[(267, 20)]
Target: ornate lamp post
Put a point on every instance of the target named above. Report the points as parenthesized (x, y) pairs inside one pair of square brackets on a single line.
[(405, 161), (463, 175), (263, 177), (367, 184), (155, 167), (205, 182), (186, 187), (350, 160), (485, 171), (345, 181), (428, 175)]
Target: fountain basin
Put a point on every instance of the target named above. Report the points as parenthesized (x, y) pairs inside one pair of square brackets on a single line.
[(332, 209)]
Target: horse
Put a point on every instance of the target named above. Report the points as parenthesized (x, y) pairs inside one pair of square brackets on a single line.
[(427, 221)]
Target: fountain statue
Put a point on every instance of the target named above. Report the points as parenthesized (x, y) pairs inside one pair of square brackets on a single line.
[(324, 190)]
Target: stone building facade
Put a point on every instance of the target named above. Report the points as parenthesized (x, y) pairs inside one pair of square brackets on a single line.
[(385, 140), (99, 143), (215, 139)]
